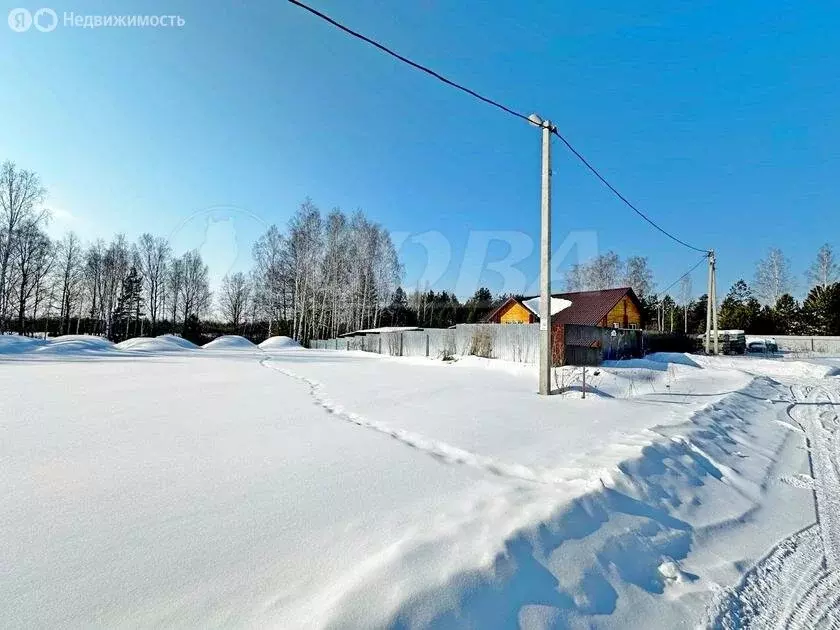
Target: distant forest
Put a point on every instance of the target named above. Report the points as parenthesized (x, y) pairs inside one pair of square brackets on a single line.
[(322, 275)]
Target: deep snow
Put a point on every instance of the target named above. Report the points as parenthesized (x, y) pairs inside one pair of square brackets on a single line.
[(230, 342), (163, 343), (279, 342), (334, 489)]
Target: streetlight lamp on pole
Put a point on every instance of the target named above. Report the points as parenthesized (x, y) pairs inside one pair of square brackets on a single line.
[(545, 257)]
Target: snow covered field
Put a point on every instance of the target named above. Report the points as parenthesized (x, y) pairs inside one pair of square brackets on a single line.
[(157, 484)]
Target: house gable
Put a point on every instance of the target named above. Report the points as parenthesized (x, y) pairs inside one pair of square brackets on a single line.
[(625, 314), (511, 312), (516, 314)]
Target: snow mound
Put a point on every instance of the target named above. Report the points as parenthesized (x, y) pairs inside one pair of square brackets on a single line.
[(76, 344), (230, 342), (164, 343), (680, 358), (279, 342), (15, 344), (778, 368), (179, 341)]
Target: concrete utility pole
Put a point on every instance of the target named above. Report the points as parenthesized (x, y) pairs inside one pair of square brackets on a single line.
[(545, 257), (714, 304), (711, 307)]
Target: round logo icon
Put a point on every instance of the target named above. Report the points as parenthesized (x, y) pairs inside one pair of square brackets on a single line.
[(21, 19), (223, 235), (45, 20)]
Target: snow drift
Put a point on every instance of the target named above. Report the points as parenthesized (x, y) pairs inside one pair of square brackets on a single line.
[(76, 344), (279, 342), (230, 342), (15, 344), (163, 343)]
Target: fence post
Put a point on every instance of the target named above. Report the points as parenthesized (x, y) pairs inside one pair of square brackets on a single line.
[(812, 344), (380, 344), (584, 382), (401, 344), (348, 344), (427, 344)]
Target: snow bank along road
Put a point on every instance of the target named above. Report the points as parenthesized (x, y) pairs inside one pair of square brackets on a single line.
[(239, 487), (797, 585)]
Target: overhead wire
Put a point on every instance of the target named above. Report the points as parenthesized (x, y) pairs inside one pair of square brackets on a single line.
[(500, 106)]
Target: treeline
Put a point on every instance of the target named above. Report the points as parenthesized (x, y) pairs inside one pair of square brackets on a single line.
[(765, 306), (442, 309), (323, 275), (818, 314), (326, 275)]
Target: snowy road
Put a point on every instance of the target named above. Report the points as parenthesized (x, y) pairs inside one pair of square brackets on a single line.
[(797, 585), (316, 489)]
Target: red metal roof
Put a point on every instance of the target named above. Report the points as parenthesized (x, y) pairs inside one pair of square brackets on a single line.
[(590, 307)]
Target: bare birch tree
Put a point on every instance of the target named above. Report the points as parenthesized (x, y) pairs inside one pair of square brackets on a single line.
[(685, 299), (638, 275), (155, 253), (772, 277), (69, 278), (824, 270), (174, 287), (235, 298), (195, 285), (20, 193), (576, 278), (32, 251), (603, 272)]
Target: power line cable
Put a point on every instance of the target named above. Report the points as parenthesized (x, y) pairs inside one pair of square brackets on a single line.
[(604, 181), (496, 104), (697, 264), (413, 64)]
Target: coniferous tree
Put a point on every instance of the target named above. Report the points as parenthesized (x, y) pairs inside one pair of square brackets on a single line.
[(739, 308), (788, 316), (821, 310), (697, 315), (129, 308), (479, 305)]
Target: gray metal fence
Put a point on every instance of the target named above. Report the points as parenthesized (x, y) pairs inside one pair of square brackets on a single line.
[(511, 342), (520, 342), (815, 344)]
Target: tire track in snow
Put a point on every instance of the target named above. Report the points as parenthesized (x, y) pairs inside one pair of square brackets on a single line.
[(797, 585), (820, 425), (441, 451)]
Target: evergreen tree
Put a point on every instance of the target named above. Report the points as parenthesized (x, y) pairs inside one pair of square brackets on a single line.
[(193, 329), (821, 310), (788, 316), (697, 315), (479, 306), (129, 307), (398, 313), (650, 311), (762, 319), (739, 308)]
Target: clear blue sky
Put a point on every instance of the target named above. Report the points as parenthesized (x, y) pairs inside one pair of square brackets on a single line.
[(723, 109)]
